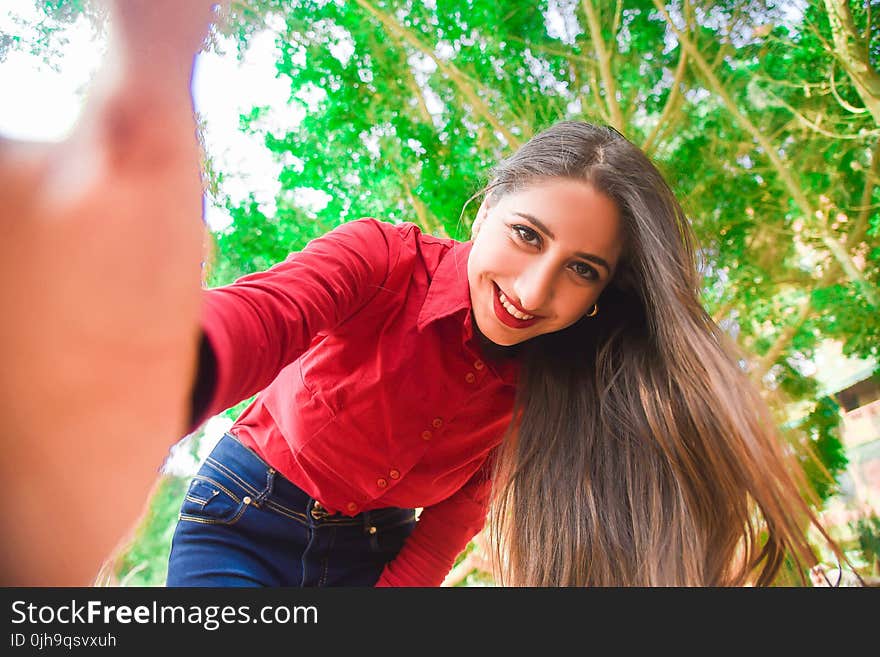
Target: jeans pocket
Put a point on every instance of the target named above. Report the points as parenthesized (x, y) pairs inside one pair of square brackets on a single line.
[(209, 502)]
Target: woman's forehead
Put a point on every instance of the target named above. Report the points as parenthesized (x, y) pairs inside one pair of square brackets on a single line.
[(572, 213)]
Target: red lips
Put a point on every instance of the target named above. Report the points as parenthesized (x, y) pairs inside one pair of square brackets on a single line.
[(505, 317)]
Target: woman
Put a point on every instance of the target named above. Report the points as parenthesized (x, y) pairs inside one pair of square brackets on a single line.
[(558, 368)]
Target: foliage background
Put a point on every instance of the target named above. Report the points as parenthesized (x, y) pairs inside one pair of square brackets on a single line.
[(764, 116)]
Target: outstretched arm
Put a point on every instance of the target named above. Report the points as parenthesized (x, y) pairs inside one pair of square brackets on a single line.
[(100, 288)]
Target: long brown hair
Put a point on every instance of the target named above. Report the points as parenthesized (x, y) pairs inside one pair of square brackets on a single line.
[(640, 452)]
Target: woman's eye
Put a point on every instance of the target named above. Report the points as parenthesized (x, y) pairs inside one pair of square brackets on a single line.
[(532, 238), (584, 270), (527, 235)]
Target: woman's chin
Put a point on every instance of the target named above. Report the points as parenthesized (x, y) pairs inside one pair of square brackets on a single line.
[(497, 336)]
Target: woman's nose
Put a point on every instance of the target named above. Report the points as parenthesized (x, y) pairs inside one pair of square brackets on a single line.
[(534, 287)]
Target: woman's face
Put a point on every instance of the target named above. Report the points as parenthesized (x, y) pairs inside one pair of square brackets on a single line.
[(540, 258)]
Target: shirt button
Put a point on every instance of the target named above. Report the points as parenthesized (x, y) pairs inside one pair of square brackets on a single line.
[(469, 377), (394, 474), (351, 506), (426, 435), (437, 423), (478, 365), (381, 483)]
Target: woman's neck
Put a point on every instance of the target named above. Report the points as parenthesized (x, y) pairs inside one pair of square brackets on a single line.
[(490, 350)]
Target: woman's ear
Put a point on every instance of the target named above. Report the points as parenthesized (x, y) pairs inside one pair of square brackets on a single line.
[(481, 216)]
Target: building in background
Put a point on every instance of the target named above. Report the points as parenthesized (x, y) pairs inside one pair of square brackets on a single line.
[(859, 399), (855, 385)]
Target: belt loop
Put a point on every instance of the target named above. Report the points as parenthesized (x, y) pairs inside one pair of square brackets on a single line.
[(267, 491), (368, 526)]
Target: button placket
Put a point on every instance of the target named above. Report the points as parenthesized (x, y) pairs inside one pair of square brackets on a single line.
[(427, 434), (478, 366)]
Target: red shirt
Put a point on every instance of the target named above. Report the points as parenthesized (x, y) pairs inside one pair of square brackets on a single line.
[(373, 391)]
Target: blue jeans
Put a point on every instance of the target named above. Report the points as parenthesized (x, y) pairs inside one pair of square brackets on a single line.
[(243, 524)]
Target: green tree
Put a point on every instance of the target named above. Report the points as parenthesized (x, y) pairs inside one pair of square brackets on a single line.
[(763, 115), (47, 37), (744, 105), (759, 122)]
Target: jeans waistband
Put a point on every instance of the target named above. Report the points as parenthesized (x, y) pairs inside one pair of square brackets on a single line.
[(266, 486)]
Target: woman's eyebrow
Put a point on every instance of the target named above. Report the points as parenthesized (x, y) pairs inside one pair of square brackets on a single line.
[(540, 226)]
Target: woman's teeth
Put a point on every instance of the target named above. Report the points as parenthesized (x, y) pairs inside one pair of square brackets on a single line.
[(511, 309)]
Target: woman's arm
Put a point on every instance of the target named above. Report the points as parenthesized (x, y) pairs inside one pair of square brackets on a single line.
[(100, 288), (264, 321), (441, 534)]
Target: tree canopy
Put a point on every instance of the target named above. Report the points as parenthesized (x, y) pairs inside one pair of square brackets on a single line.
[(764, 116)]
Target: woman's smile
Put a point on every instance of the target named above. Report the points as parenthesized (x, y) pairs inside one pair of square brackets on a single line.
[(509, 314)]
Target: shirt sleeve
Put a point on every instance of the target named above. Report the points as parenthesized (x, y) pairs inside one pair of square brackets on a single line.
[(440, 535), (262, 322)]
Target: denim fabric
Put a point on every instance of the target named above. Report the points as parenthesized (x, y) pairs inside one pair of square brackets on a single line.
[(243, 524)]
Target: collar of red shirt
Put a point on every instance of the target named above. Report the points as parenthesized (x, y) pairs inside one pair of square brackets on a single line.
[(449, 294)]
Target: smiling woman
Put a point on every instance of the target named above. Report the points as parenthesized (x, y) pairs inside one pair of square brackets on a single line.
[(643, 455), (556, 372), (530, 276)]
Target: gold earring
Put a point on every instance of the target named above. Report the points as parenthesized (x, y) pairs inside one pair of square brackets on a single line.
[(594, 311)]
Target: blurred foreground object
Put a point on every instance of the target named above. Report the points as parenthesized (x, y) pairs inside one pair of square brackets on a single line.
[(100, 265)]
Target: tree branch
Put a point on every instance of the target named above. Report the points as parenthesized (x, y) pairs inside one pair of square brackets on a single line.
[(550, 50), (413, 85), (840, 101), (671, 100), (872, 175), (767, 360), (481, 109), (604, 57), (600, 107), (426, 219), (805, 309), (722, 311), (815, 126), (852, 54), (782, 169)]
